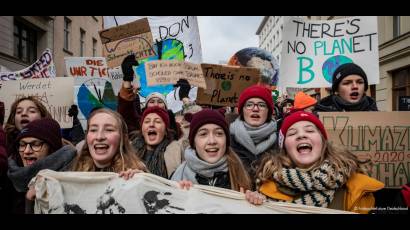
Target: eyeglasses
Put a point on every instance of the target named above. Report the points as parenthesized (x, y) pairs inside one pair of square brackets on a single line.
[(35, 146), (260, 105)]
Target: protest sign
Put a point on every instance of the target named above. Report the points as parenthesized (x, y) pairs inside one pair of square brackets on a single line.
[(42, 68), (170, 71), (105, 192), (134, 37), (312, 50), (181, 28), (56, 94), (225, 83), (86, 67), (382, 136)]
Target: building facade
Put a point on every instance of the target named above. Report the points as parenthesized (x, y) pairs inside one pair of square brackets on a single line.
[(24, 38), (270, 35)]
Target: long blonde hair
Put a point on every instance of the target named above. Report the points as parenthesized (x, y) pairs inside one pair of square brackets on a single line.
[(342, 159), (237, 173), (125, 158)]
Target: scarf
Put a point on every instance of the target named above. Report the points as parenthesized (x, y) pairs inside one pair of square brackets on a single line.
[(153, 159), (316, 187), (194, 165), (57, 161), (363, 105), (255, 139)]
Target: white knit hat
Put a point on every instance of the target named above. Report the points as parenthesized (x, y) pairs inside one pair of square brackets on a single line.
[(157, 95)]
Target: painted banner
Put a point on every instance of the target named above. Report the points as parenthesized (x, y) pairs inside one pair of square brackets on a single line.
[(312, 50), (86, 66), (42, 68), (56, 94), (225, 83), (107, 193), (92, 92), (181, 28), (384, 137), (170, 71), (134, 37)]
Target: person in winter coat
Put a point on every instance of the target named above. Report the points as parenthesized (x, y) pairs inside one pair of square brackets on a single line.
[(253, 133), (4, 196), (39, 146), (128, 100), (310, 170), (349, 86), (155, 143), (107, 147), (209, 160)]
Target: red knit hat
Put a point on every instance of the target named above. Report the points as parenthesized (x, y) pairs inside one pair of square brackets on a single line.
[(256, 91), (296, 117), (203, 117), (46, 129), (158, 110)]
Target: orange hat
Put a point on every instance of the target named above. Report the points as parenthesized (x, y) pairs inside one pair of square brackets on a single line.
[(302, 101)]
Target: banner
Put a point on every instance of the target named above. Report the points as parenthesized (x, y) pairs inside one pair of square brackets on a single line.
[(42, 68), (312, 50), (106, 193), (382, 136), (169, 72), (86, 66), (225, 84), (134, 37), (181, 28), (56, 94)]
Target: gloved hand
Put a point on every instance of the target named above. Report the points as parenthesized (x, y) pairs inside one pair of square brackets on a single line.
[(73, 111), (126, 67), (184, 88), (1, 112)]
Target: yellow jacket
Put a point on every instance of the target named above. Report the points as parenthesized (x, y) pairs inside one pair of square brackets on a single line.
[(358, 196)]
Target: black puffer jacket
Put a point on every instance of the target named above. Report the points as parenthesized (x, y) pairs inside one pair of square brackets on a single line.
[(334, 103), (220, 180)]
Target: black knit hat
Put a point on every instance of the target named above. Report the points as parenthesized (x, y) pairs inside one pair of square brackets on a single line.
[(345, 70), (46, 129)]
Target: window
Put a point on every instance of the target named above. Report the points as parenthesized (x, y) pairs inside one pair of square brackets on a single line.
[(396, 26), (25, 43), (94, 47), (82, 42), (401, 85), (67, 30)]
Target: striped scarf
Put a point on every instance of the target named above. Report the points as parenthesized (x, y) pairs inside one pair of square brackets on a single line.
[(316, 187)]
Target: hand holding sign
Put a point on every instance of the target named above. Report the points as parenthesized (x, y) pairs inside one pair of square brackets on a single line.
[(184, 88), (126, 67)]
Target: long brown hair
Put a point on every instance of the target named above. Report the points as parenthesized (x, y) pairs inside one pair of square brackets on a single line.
[(10, 127), (125, 158), (342, 159), (237, 173)]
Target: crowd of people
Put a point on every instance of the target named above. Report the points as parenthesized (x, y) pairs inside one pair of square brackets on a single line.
[(278, 151)]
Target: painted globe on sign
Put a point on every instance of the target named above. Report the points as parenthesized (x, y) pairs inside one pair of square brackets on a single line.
[(331, 64), (258, 58)]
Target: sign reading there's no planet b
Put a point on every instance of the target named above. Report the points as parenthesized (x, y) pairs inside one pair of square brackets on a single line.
[(170, 71), (312, 50)]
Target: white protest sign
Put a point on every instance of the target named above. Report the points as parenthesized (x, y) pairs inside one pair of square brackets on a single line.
[(105, 192), (312, 50), (42, 68), (56, 94), (182, 28), (86, 66), (170, 71)]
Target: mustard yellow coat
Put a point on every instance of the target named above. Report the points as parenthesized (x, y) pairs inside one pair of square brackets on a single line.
[(357, 198)]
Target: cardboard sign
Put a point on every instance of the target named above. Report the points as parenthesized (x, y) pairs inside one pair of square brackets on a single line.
[(170, 71), (182, 28), (312, 50), (384, 137), (86, 67), (404, 103), (56, 94), (144, 193), (225, 83), (120, 41), (42, 68)]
